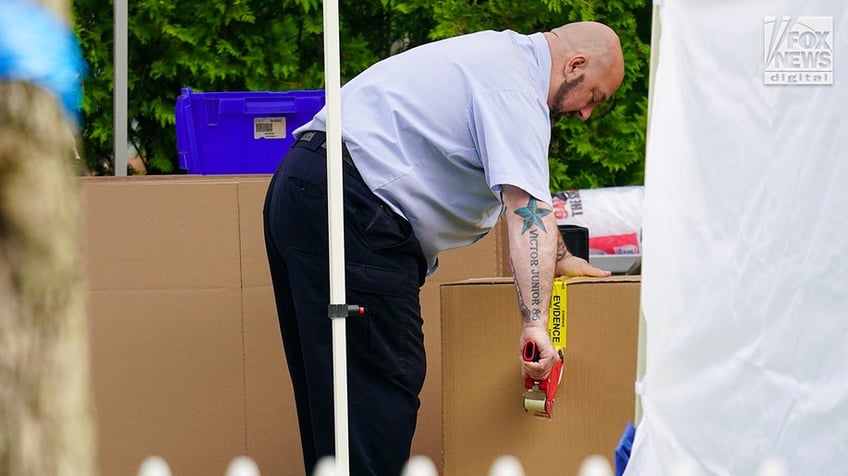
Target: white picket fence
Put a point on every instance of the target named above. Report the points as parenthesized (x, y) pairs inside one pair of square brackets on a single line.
[(422, 466)]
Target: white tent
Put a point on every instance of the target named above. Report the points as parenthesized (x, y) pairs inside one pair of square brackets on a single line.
[(745, 270)]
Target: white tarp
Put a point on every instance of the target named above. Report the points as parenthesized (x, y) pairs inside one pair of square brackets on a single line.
[(745, 241)]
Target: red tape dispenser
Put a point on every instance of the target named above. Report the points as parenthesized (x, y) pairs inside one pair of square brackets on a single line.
[(540, 395)]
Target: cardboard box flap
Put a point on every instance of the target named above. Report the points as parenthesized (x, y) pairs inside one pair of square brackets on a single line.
[(571, 281), (608, 279)]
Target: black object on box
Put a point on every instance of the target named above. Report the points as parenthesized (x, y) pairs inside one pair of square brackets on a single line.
[(576, 239)]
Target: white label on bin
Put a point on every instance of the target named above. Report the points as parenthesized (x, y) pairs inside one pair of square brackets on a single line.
[(269, 128)]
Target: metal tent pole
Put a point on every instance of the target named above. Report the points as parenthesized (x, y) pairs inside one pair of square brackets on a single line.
[(120, 84), (337, 308)]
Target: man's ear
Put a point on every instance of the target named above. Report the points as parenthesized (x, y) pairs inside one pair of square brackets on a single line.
[(575, 66)]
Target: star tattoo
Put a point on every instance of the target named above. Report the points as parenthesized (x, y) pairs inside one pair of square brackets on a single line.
[(532, 215)]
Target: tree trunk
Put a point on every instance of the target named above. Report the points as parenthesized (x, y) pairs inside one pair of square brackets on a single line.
[(46, 423)]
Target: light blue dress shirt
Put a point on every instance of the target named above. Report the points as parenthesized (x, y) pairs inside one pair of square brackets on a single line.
[(436, 130)]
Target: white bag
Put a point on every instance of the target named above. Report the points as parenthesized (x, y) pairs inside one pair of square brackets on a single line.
[(612, 215)]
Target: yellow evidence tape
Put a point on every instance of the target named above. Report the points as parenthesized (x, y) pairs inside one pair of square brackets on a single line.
[(557, 317)]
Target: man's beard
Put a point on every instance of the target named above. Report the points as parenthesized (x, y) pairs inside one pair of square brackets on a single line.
[(564, 89)]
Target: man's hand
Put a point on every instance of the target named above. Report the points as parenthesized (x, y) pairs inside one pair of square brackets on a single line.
[(547, 354), (569, 265)]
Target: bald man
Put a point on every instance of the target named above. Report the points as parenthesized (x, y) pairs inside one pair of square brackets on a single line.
[(438, 143)]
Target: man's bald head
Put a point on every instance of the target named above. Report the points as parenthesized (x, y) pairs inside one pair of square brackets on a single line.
[(583, 51), (593, 39)]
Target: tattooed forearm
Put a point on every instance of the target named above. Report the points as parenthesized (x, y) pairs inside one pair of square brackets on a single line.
[(532, 215), (526, 314), (535, 313), (531, 230), (532, 250), (525, 311)]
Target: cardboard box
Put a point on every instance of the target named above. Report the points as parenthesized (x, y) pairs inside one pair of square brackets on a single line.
[(488, 257), (186, 352), (482, 404), (164, 272)]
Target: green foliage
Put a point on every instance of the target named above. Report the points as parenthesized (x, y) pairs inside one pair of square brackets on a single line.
[(208, 45), (256, 45), (609, 149)]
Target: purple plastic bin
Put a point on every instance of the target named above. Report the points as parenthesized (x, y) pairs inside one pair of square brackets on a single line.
[(240, 132)]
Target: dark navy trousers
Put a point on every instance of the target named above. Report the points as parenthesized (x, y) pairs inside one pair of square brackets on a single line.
[(385, 269)]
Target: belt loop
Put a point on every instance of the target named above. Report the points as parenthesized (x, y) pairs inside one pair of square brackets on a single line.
[(312, 140)]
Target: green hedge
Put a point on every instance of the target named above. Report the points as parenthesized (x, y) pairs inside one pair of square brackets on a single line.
[(261, 45)]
